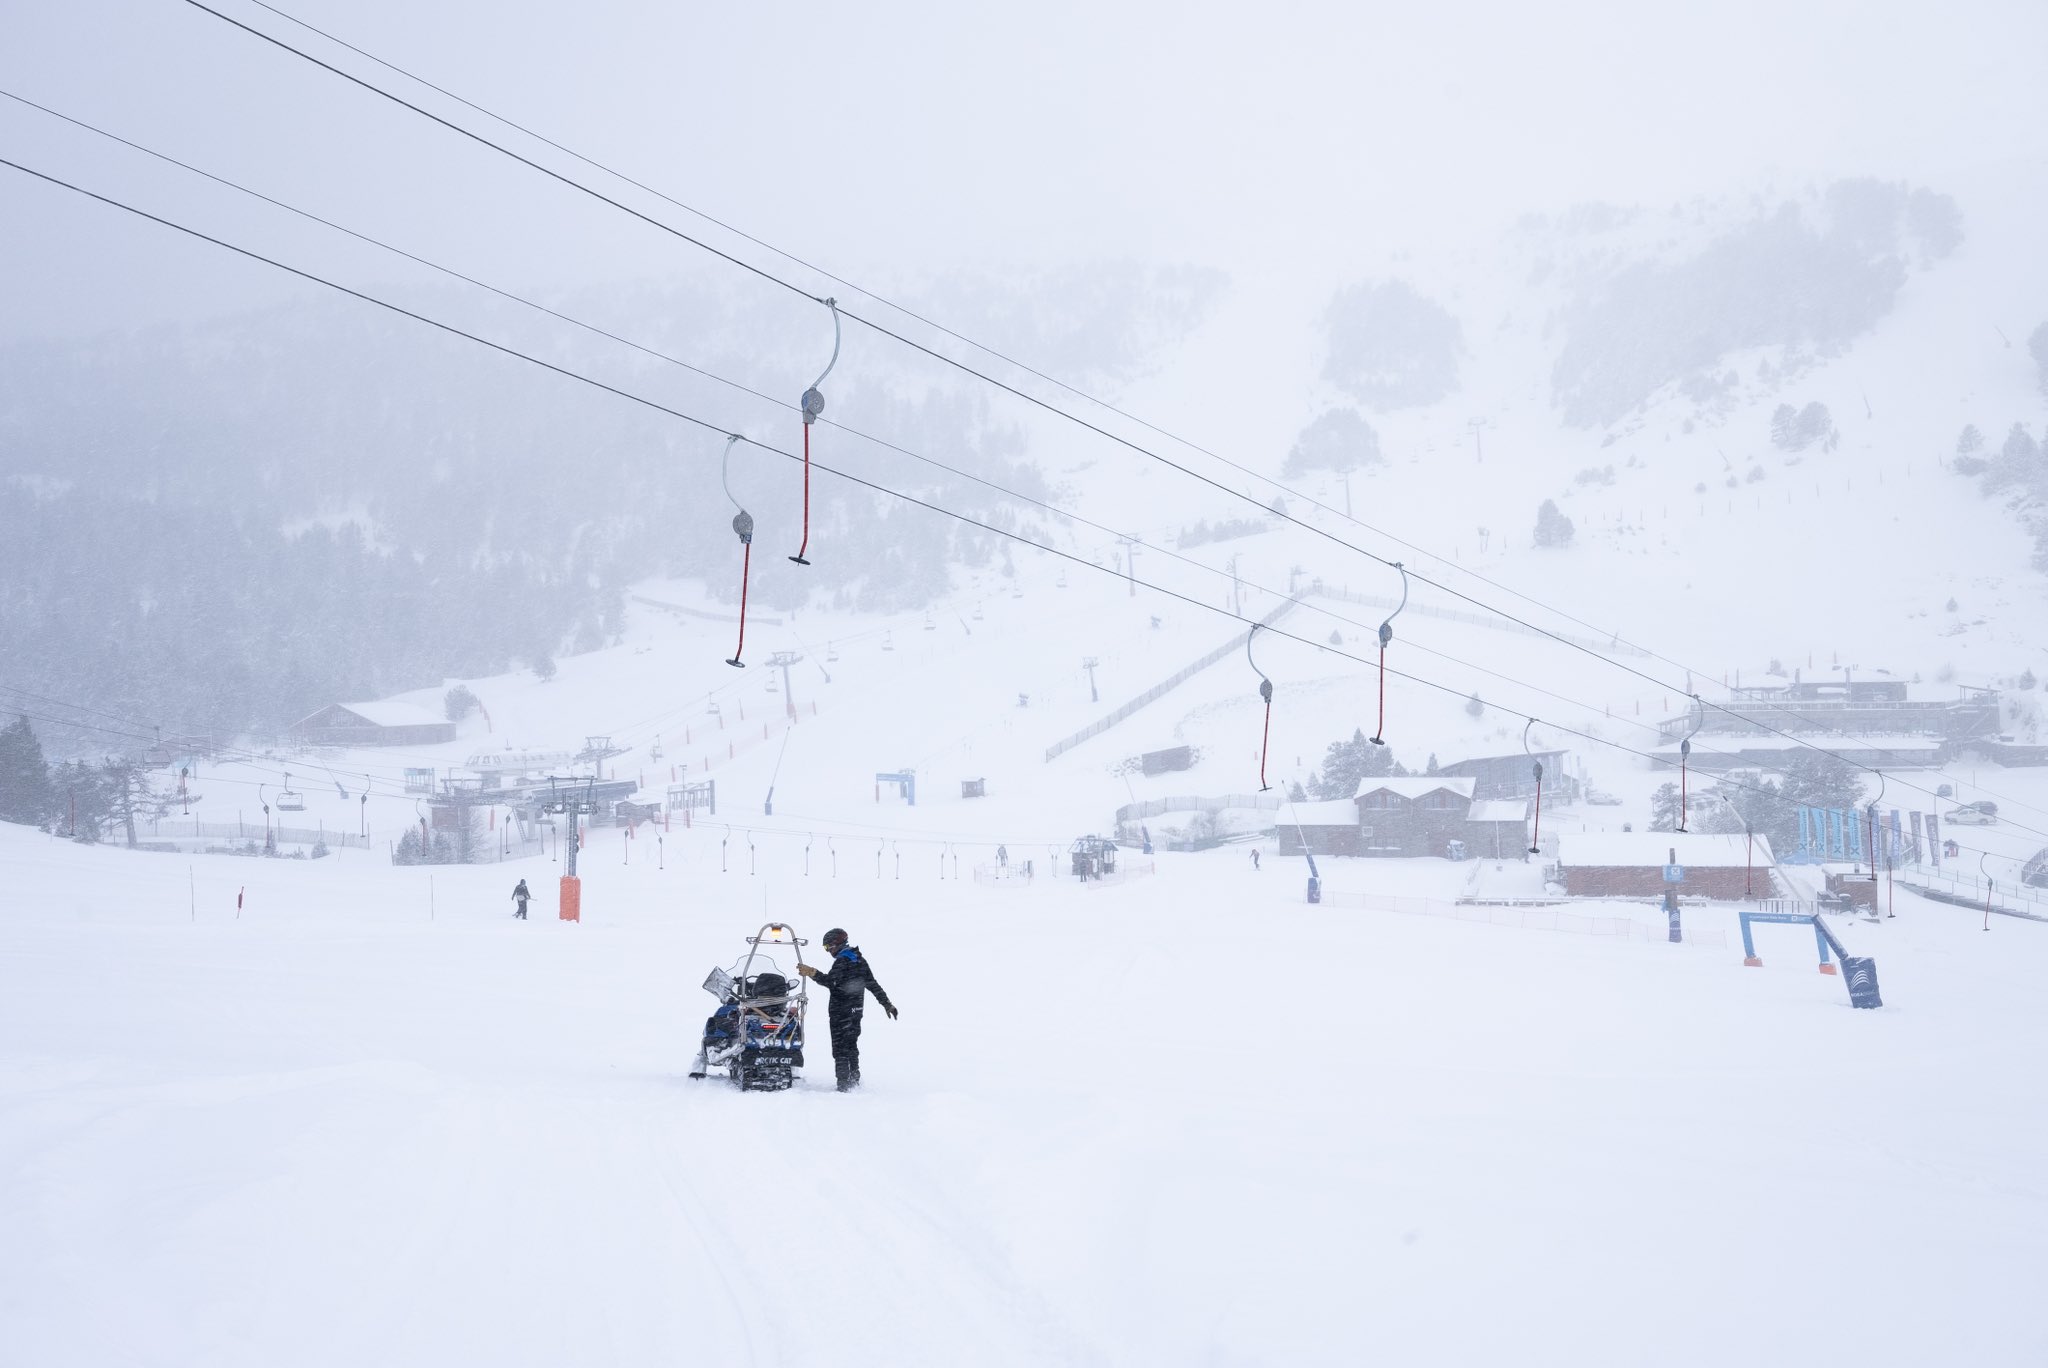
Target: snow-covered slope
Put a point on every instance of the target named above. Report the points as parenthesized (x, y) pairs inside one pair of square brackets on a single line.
[(325, 1113)]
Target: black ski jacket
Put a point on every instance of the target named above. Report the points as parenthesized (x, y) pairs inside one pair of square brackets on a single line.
[(849, 977)]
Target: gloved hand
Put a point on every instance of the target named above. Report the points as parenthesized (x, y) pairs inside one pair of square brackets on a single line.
[(891, 1010), (807, 971)]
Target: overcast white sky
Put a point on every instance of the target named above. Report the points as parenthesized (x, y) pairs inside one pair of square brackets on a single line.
[(882, 138)]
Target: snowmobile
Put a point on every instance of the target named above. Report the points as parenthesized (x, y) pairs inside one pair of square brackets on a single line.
[(757, 1033)]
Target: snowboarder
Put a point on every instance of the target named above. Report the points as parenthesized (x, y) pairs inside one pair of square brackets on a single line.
[(520, 896), (849, 980)]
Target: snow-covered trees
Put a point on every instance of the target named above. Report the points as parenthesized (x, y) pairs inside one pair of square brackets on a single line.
[(1553, 528), (25, 794), (1391, 347), (2038, 345), (1664, 808), (1347, 762), (459, 702), (1339, 440), (1797, 429)]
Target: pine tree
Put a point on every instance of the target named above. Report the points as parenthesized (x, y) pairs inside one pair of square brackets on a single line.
[(1473, 707), (25, 794), (1664, 808), (1784, 421), (1348, 762), (459, 702), (1553, 528)]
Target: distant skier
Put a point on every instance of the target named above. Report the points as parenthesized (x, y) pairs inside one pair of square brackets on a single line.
[(1002, 857), (520, 896), (1255, 857), (849, 979)]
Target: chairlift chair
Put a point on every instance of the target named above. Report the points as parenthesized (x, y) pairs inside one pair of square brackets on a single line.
[(288, 800), (888, 641), (831, 654), (929, 625)]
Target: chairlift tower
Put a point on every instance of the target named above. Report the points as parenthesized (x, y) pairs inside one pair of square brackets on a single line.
[(596, 750), (573, 804), (785, 659), (1089, 663)]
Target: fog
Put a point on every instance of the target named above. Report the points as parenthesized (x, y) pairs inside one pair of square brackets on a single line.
[(880, 140), (1313, 239)]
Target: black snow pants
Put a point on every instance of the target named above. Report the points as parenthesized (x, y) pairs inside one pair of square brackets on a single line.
[(845, 1045)]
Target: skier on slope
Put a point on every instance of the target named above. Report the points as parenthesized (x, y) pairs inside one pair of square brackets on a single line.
[(849, 980), (520, 896)]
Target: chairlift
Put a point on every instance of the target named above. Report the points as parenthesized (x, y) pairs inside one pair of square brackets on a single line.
[(888, 641), (977, 612), (831, 654), (771, 685), (1061, 582), (288, 800), (1016, 593), (929, 625)]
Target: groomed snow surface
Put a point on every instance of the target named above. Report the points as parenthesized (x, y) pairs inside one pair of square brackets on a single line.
[(1187, 1119)]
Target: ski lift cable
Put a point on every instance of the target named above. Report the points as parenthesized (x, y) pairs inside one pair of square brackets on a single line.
[(881, 299), (813, 405), (871, 485), (988, 379), (1156, 549), (1387, 635)]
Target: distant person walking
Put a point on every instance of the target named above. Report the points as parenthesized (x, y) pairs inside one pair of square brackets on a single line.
[(1255, 857), (520, 896), (1002, 857)]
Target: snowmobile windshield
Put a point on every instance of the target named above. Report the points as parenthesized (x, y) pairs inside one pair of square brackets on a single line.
[(762, 962)]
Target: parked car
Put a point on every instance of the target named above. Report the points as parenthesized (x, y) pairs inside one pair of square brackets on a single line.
[(1602, 798), (1973, 814)]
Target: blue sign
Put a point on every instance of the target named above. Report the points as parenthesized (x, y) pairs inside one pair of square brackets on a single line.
[(1674, 873)]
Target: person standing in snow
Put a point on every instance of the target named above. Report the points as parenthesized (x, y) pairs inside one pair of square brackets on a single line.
[(1255, 857), (849, 980), (1002, 857), (520, 896)]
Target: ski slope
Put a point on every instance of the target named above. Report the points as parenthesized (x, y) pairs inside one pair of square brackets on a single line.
[(1185, 1119)]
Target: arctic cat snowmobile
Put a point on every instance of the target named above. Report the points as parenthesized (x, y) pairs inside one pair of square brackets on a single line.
[(757, 1033)]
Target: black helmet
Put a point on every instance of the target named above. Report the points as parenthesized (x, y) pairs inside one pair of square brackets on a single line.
[(834, 938)]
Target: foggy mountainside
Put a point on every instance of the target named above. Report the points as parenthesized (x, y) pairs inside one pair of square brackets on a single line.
[(361, 537), (1806, 277)]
